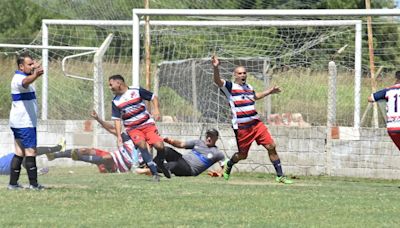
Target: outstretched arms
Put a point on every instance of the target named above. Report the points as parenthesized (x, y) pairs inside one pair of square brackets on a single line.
[(267, 92), (175, 143)]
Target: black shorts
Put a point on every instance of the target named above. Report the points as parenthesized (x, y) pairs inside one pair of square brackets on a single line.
[(176, 164)]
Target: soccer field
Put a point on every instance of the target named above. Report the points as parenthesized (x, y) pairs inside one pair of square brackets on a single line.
[(85, 198)]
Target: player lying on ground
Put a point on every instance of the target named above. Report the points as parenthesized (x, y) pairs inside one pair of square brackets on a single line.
[(5, 160), (202, 155), (120, 160)]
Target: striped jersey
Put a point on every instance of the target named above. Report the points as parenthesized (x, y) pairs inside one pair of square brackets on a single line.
[(241, 99), (392, 97), (130, 107), (126, 156), (24, 107)]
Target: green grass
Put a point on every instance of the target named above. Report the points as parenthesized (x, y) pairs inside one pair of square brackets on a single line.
[(86, 198)]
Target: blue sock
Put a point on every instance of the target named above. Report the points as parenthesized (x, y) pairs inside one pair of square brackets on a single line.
[(149, 160), (278, 167)]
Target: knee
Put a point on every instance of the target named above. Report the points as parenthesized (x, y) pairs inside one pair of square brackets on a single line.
[(141, 145), (240, 156), (159, 146), (270, 147)]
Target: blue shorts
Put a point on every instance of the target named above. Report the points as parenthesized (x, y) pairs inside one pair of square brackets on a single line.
[(26, 135), (5, 164)]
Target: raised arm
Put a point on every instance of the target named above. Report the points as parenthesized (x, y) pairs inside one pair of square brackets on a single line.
[(267, 92), (175, 143), (106, 125), (217, 79), (37, 72)]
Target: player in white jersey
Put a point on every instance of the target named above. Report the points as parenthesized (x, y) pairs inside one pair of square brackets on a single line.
[(23, 120), (245, 120), (392, 96)]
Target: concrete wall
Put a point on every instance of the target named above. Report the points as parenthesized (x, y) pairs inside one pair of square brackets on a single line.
[(303, 151)]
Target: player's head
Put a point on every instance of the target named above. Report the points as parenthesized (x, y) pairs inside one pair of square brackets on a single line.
[(211, 137), (240, 75), (397, 75), (25, 63), (117, 84)]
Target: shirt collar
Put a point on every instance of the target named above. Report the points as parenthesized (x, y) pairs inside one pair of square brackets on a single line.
[(20, 72)]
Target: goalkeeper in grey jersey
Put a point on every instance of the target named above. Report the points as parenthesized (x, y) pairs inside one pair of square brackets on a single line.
[(202, 155)]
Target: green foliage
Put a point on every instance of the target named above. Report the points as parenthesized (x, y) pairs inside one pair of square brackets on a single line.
[(21, 20), (180, 108)]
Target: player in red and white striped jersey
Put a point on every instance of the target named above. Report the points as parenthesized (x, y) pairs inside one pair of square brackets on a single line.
[(120, 160), (129, 107), (392, 96), (245, 120)]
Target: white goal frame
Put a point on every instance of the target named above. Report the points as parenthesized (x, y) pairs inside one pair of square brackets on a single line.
[(138, 13)]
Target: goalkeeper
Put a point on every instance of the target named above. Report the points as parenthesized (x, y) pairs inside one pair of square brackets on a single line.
[(202, 155)]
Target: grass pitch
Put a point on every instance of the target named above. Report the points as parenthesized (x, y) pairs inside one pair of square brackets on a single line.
[(82, 197)]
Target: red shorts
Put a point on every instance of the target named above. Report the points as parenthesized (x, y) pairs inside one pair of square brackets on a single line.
[(148, 133), (105, 168), (395, 138), (258, 132)]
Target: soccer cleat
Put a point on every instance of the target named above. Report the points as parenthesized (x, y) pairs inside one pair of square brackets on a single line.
[(164, 167), (283, 180), (227, 170), (156, 178), (50, 156), (38, 187), (63, 144), (15, 187), (74, 155)]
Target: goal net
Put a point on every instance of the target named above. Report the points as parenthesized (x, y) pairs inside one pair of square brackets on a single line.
[(70, 87), (291, 54)]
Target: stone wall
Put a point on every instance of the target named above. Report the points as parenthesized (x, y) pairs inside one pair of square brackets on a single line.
[(303, 151)]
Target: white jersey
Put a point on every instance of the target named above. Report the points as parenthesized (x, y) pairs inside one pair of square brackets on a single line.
[(24, 107)]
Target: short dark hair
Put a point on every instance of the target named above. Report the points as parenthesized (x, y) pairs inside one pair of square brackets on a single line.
[(116, 77), (397, 75), (213, 132), (21, 57)]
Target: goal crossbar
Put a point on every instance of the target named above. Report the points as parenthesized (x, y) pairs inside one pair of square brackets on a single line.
[(356, 23)]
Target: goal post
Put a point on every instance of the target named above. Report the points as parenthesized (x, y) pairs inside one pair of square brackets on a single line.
[(356, 24)]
